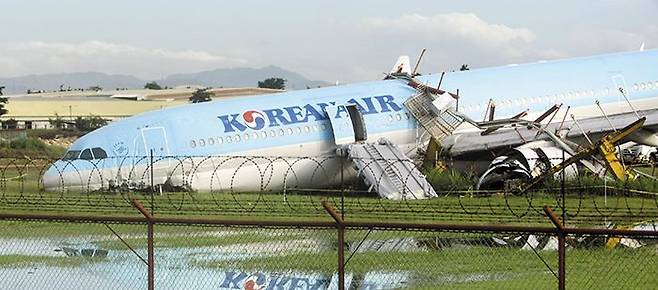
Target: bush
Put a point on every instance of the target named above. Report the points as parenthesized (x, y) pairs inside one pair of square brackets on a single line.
[(450, 180), (48, 134), (89, 123), (201, 95), (30, 147), (27, 144)]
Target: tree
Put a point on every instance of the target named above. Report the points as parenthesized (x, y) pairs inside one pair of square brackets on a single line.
[(3, 102), (89, 123), (273, 83), (201, 95), (152, 86), (10, 124), (58, 122), (464, 67)]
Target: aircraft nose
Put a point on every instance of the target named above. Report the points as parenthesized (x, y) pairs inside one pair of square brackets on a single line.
[(51, 178)]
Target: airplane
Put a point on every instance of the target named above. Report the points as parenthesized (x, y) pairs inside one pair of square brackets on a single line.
[(305, 138)]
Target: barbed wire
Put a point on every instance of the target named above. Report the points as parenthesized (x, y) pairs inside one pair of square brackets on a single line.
[(285, 186)]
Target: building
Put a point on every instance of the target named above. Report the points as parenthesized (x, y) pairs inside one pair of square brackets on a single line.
[(35, 111)]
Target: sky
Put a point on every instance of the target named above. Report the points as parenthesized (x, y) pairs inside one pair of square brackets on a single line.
[(335, 41)]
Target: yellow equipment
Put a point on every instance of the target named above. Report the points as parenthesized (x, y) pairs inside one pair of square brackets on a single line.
[(605, 146)]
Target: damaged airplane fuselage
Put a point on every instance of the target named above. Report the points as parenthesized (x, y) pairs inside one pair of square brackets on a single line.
[(241, 144)]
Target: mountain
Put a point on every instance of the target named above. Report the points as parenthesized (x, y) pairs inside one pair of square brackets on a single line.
[(51, 82), (240, 77), (233, 77)]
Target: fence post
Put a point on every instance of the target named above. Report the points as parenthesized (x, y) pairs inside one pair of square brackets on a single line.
[(340, 225), (561, 247), (149, 243), (152, 182)]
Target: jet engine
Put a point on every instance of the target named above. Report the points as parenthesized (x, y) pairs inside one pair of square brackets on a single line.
[(522, 164)]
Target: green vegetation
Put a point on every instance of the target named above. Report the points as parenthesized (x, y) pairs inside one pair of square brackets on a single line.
[(30, 147), (57, 122), (10, 124), (273, 83), (89, 123), (152, 86), (176, 237), (451, 180), (81, 124), (457, 267), (201, 95), (3, 103), (53, 133), (31, 261)]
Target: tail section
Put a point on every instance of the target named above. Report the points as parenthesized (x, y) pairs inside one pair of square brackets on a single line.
[(403, 65)]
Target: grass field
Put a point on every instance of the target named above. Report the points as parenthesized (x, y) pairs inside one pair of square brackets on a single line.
[(200, 251), (586, 202), (428, 259)]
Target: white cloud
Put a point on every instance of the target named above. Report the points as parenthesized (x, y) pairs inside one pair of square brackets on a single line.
[(598, 40), (55, 57), (452, 39), (462, 27)]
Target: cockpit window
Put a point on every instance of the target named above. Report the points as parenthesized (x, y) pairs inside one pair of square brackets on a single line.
[(86, 155), (99, 153), (71, 155)]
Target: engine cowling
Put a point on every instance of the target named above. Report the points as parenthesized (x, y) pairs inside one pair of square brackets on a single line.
[(522, 164)]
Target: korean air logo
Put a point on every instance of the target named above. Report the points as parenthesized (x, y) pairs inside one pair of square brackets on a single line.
[(254, 119)]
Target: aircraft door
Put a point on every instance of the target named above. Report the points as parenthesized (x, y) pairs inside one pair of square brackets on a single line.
[(155, 138), (347, 123)]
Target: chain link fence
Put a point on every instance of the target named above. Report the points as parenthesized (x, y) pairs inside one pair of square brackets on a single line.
[(120, 252), (611, 262), (71, 255)]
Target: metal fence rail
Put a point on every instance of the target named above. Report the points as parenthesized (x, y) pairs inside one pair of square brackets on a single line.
[(146, 251)]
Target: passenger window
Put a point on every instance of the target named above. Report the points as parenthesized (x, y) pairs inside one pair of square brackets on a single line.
[(86, 155), (99, 153)]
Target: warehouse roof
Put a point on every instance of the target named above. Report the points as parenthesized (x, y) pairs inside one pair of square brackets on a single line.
[(107, 104)]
